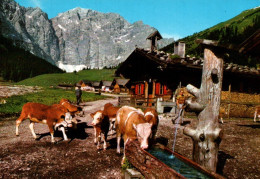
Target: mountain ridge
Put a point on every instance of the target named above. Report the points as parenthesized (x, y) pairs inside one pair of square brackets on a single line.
[(231, 32), (79, 37)]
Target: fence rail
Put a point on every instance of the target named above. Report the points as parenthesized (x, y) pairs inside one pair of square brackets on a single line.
[(137, 102), (241, 103)]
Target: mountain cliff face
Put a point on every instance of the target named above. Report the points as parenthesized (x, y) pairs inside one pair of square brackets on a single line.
[(29, 28), (76, 39)]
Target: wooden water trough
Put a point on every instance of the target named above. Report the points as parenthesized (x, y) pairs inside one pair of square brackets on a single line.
[(151, 167)]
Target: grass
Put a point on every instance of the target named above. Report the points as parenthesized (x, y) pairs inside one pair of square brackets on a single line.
[(47, 96), (48, 80)]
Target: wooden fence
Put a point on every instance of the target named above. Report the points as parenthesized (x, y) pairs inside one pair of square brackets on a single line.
[(136, 102)]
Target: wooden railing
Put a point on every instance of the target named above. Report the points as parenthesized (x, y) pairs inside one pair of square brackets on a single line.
[(137, 102)]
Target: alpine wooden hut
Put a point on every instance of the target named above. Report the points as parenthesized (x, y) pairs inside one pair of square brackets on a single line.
[(155, 74), (106, 86), (121, 85)]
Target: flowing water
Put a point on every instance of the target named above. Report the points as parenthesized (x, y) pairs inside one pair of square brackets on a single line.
[(177, 164), (176, 129)]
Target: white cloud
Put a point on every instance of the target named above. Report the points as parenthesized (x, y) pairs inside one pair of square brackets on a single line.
[(36, 3), (174, 36)]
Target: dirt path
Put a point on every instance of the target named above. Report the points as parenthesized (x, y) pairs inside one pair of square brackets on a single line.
[(25, 157)]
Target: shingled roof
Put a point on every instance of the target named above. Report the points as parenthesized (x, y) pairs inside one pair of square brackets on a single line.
[(164, 61), (122, 82), (251, 45), (107, 83), (154, 34)]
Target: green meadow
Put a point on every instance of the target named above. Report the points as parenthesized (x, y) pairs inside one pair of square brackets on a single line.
[(49, 94), (48, 80)]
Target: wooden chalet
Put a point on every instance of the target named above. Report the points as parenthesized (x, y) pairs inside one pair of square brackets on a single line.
[(97, 85), (86, 85), (106, 86), (121, 85), (155, 74)]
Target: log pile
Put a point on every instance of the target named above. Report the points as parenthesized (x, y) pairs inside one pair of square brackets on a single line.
[(241, 105)]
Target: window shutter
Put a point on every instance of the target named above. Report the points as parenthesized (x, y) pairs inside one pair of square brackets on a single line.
[(142, 88), (157, 88), (136, 89)]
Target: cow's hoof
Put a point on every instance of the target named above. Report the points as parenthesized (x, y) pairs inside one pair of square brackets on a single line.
[(17, 135), (105, 149)]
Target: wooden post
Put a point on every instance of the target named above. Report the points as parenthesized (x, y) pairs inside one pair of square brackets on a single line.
[(207, 134), (229, 99), (153, 89)]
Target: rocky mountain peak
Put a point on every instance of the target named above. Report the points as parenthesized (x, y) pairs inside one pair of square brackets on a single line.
[(76, 39)]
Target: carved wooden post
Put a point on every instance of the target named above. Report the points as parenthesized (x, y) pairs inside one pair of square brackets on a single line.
[(207, 134)]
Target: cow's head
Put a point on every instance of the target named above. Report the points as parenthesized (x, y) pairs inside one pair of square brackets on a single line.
[(64, 121), (143, 132), (98, 117), (70, 107), (108, 105)]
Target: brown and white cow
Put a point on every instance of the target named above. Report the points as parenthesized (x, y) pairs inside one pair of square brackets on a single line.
[(110, 111), (54, 116), (257, 113), (151, 116), (101, 126), (131, 124), (74, 110)]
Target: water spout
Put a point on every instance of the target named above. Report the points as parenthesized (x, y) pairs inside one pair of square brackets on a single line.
[(177, 119)]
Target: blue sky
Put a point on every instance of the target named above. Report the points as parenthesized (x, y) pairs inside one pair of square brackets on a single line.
[(173, 18)]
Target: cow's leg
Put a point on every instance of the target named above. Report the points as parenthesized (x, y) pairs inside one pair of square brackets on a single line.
[(98, 140), (221, 120), (111, 128), (118, 142), (95, 135), (19, 121), (125, 141), (64, 134), (105, 142), (112, 125), (50, 125), (255, 116), (32, 129)]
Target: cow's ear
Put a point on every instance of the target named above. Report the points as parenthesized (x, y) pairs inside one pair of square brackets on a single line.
[(134, 126), (92, 115)]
